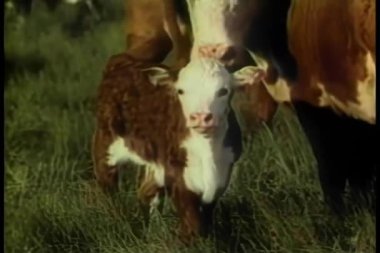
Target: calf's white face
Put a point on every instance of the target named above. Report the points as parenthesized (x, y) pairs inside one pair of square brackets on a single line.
[(204, 88)]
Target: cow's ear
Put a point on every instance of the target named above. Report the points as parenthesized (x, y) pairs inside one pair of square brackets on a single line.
[(159, 76), (249, 75)]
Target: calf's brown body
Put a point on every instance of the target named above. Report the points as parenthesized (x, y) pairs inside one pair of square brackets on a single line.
[(150, 121)]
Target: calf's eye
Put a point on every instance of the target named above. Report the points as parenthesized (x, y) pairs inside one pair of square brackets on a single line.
[(222, 92), (180, 91)]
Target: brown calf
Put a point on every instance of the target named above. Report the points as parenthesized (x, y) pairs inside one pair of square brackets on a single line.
[(145, 121), (141, 119)]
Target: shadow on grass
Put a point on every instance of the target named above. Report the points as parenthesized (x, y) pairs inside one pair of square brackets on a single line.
[(229, 231)]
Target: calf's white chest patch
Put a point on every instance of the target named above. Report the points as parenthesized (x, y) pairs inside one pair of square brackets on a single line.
[(118, 153), (208, 168)]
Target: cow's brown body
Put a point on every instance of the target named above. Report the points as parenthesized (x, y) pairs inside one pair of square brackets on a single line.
[(332, 43), (324, 52), (154, 28)]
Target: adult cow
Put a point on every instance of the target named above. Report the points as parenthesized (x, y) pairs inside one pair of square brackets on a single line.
[(186, 136), (154, 28), (319, 55)]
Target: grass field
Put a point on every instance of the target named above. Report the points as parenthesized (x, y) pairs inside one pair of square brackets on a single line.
[(274, 203)]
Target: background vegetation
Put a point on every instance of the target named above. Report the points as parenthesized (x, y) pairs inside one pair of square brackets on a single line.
[(54, 62)]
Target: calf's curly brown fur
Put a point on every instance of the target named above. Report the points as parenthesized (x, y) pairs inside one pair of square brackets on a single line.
[(150, 121)]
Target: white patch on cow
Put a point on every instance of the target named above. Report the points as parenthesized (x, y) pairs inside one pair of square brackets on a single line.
[(118, 153), (365, 106), (208, 168)]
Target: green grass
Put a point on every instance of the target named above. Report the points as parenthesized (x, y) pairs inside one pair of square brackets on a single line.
[(274, 203)]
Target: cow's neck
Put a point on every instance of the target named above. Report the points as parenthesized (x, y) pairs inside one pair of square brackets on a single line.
[(215, 142), (208, 22), (208, 165)]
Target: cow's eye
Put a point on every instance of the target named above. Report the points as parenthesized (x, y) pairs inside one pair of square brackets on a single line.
[(180, 91), (222, 92)]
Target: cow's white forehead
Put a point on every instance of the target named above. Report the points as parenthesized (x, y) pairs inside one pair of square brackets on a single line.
[(204, 71)]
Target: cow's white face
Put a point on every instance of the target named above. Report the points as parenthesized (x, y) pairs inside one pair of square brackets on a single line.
[(204, 88)]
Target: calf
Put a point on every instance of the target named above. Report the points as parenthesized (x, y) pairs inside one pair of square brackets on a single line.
[(178, 125)]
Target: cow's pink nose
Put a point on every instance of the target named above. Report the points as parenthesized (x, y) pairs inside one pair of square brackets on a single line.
[(202, 119), (222, 52)]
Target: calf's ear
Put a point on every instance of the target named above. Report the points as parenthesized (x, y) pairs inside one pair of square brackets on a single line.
[(249, 75), (159, 76)]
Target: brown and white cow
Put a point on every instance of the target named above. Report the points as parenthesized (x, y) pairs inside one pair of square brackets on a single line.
[(319, 55), (155, 27), (185, 135)]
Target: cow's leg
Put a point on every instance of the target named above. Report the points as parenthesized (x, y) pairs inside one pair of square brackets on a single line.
[(344, 150), (332, 184), (362, 185), (322, 128), (106, 175), (178, 31), (188, 206), (146, 36), (362, 163)]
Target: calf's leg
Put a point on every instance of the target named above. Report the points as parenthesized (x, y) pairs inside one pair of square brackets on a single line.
[(106, 175), (188, 206), (149, 194)]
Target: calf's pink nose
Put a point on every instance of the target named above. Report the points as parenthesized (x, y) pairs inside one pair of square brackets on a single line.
[(202, 119)]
